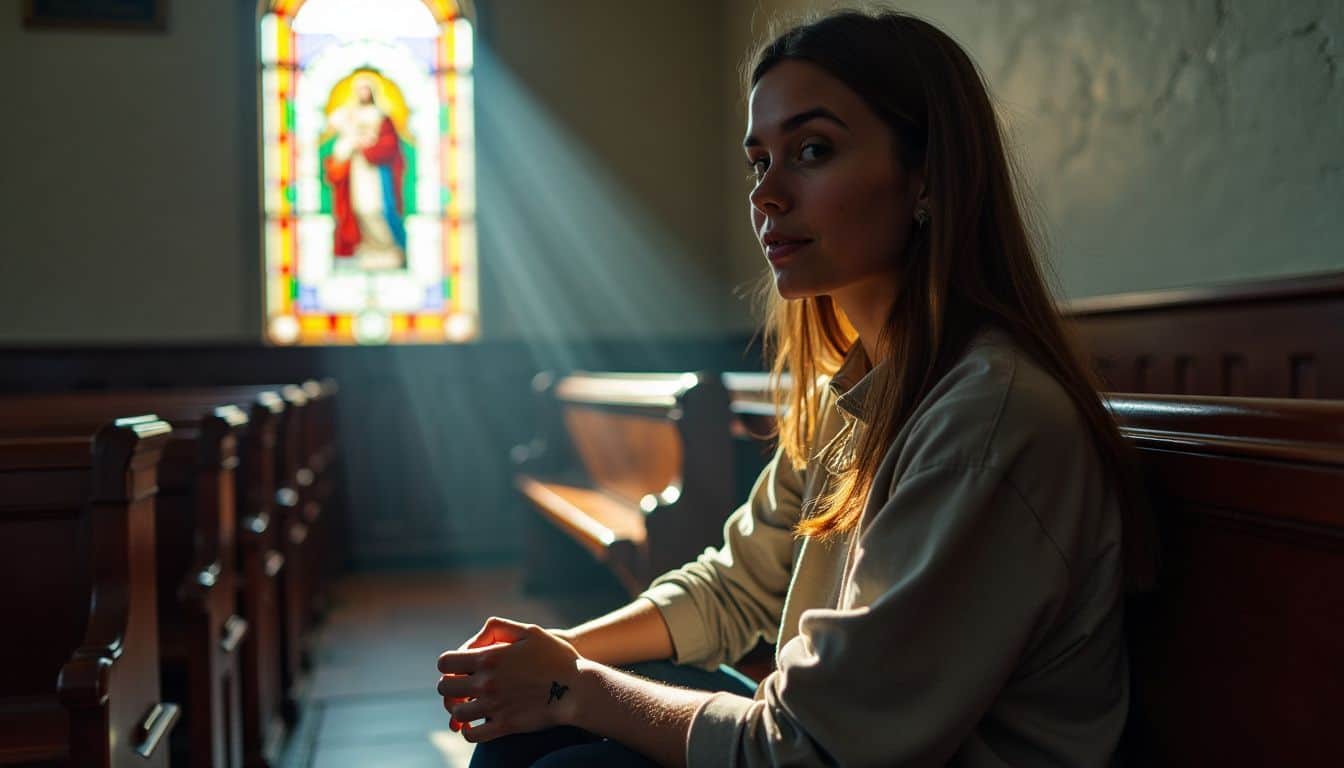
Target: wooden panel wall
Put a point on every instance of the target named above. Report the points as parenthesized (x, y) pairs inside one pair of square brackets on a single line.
[(1280, 338)]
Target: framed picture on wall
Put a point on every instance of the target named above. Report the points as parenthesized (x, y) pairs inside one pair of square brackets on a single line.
[(151, 15)]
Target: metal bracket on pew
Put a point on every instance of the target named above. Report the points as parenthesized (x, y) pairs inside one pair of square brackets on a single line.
[(235, 629), (156, 725)]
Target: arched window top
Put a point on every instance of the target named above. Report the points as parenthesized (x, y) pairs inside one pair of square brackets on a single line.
[(347, 19), (369, 172), (440, 10)]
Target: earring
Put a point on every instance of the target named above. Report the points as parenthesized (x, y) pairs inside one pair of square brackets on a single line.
[(921, 216)]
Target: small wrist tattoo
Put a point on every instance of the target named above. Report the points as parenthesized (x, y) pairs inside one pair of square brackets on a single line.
[(557, 691)]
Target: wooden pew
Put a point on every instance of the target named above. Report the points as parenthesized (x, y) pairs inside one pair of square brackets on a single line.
[(651, 481), (283, 479), (1238, 657), (200, 631), (320, 448), (261, 569), (260, 574), (80, 681), (272, 538)]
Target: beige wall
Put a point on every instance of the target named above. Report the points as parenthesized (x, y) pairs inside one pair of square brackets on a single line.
[(603, 122), (121, 193), (1168, 143)]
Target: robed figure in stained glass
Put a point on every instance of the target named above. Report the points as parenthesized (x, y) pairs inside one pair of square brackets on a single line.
[(365, 171), (368, 170)]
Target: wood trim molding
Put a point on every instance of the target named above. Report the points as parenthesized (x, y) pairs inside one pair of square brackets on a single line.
[(1254, 428), (1320, 285)]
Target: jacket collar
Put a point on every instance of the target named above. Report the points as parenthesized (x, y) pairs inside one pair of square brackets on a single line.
[(853, 380)]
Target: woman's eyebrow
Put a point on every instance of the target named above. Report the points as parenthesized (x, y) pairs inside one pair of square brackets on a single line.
[(797, 120)]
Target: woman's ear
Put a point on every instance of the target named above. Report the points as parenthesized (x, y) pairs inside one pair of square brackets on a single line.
[(919, 187), (922, 212), (918, 182)]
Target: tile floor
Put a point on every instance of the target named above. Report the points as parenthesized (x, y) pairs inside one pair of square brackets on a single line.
[(371, 700)]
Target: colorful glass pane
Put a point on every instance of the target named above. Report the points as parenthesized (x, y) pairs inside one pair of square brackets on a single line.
[(369, 172)]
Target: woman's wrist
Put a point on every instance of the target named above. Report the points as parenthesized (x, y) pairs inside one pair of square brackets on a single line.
[(590, 690), (649, 717), (569, 636)]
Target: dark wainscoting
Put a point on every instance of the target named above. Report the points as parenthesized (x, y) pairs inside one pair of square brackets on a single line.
[(1273, 338), (425, 431)]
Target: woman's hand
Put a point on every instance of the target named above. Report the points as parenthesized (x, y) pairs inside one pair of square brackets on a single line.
[(517, 677)]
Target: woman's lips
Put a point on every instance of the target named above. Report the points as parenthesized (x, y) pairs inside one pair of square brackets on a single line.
[(777, 252)]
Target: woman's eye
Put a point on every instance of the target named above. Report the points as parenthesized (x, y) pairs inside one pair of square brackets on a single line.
[(813, 151), (758, 167)]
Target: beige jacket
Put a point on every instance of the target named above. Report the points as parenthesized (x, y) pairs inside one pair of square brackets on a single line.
[(974, 617)]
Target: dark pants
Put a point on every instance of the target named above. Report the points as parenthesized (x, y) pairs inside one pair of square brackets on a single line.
[(569, 747)]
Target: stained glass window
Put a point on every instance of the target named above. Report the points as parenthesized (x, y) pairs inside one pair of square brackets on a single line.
[(368, 172)]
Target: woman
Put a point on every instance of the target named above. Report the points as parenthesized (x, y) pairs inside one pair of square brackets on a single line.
[(936, 547)]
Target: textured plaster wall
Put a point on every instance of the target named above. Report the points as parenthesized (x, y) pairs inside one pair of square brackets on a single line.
[(1168, 142)]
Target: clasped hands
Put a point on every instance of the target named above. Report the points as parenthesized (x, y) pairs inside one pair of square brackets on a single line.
[(517, 677)]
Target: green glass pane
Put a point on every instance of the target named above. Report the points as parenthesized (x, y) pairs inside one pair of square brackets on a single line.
[(408, 178), (447, 289), (445, 197), (445, 120), (293, 289), (323, 152), (289, 116), (291, 195)]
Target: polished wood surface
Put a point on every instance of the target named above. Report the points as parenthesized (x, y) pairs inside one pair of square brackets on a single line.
[(242, 560), (637, 468), (200, 629), (632, 457), (77, 564), (294, 512), (1236, 657)]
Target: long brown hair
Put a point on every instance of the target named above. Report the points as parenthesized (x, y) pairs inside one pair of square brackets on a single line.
[(973, 264)]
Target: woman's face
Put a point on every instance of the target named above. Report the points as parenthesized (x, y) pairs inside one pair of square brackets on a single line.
[(832, 206)]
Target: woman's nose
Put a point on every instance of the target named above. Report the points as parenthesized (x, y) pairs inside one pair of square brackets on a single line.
[(769, 195)]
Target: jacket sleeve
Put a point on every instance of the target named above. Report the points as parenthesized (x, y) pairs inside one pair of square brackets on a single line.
[(719, 605), (953, 576)]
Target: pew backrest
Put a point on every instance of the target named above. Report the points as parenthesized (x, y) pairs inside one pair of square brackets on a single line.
[(1236, 656), (630, 432), (77, 564), (1272, 338), (635, 467)]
